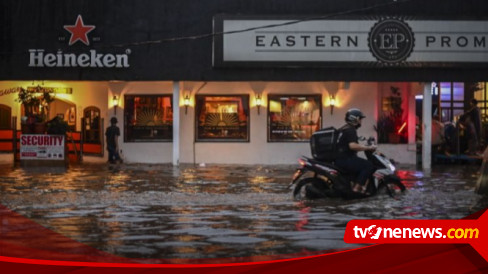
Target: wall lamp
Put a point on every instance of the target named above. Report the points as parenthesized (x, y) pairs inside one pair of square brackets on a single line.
[(258, 102), (115, 102), (186, 102), (332, 103)]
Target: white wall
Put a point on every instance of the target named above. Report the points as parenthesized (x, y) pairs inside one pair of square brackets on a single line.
[(258, 150), (363, 95), (148, 152)]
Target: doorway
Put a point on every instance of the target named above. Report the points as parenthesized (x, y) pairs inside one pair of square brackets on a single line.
[(92, 125)]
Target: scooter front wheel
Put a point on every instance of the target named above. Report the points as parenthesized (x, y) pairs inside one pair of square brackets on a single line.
[(309, 188), (392, 187)]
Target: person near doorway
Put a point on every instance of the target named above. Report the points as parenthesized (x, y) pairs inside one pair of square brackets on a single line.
[(471, 137), (475, 117), (112, 135), (438, 139)]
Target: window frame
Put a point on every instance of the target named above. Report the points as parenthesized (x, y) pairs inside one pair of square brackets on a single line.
[(142, 140), (318, 124), (199, 137)]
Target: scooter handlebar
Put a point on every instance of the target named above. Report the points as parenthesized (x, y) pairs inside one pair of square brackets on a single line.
[(371, 141)]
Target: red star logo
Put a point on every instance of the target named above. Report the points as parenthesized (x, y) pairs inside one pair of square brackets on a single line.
[(79, 31)]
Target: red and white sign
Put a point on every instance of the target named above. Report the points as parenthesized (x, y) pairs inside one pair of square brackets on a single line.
[(92, 58), (41, 147), (79, 31), (471, 232)]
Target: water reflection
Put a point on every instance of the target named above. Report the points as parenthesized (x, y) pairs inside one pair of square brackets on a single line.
[(161, 211)]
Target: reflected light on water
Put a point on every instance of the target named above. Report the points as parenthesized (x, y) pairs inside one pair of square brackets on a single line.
[(216, 211)]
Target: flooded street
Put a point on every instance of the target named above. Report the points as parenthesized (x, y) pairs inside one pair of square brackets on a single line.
[(161, 211)]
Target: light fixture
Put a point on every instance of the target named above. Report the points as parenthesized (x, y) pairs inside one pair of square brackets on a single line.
[(258, 102), (115, 102), (332, 103), (186, 102)]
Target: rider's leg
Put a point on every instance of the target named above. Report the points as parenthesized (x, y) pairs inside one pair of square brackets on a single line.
[(359, 167), (366, 170)]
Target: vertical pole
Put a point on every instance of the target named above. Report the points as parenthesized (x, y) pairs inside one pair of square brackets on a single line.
[(14, 136), (102, 136), (82, 138), (427, 127), (176, 123)]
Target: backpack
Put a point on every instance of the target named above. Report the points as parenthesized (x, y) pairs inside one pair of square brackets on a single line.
[(323, 144)]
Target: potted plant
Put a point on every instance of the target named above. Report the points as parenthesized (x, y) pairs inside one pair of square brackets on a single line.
[(36, 108), (57, 126)]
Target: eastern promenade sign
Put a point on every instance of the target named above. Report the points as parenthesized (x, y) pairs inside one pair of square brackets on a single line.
[(349, 42)]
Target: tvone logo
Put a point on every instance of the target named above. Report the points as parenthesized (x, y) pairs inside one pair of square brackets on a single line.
[(391, 41), (374, 232)]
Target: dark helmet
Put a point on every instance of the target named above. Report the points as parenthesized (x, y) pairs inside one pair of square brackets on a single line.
[(353, 115), (113, 120)]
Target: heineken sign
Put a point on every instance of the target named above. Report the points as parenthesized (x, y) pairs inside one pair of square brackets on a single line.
[(388, 41), (91, 58)]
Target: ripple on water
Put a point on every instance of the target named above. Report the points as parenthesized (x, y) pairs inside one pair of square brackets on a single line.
[(161, 211)]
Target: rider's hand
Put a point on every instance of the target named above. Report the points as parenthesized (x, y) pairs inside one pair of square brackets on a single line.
[(372, 148)]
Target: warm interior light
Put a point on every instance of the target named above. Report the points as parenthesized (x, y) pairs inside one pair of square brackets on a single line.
[(115, 103), (186, 102), (402, 127), (258, 102), (332, 103)]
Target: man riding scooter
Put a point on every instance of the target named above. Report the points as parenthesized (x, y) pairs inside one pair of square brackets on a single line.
[(348, 147)]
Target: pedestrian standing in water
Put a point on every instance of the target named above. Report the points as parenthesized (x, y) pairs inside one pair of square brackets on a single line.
[(475, 117), (112, 135)]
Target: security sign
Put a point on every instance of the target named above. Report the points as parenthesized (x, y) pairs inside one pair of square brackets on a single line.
[(41, 147)]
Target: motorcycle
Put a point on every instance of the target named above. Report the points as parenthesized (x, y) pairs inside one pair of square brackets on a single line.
[(328, 180)]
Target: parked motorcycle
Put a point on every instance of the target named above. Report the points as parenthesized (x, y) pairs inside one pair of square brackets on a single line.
[(327, 180)]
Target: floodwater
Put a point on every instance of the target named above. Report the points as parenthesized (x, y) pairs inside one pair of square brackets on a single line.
[(216, 211)]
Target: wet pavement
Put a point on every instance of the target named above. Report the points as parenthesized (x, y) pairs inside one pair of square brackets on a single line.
[(216, 211)]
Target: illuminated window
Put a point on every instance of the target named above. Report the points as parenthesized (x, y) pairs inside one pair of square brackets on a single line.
[(148, 118), (452, 101), (293, 118), (222, 118)]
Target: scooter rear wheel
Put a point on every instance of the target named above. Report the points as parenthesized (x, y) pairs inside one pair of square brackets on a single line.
[(310, 188)]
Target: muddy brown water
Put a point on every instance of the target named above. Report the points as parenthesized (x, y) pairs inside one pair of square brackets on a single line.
[(217, 211)]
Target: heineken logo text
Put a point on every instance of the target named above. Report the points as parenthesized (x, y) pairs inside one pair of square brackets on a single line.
[(93, 59)]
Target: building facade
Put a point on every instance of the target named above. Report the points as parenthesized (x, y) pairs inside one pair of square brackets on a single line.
[(243, 82)]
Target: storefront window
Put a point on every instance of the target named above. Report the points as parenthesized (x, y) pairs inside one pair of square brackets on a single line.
[(222, 118), (452, 101), (148, 118), (293, 118)]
